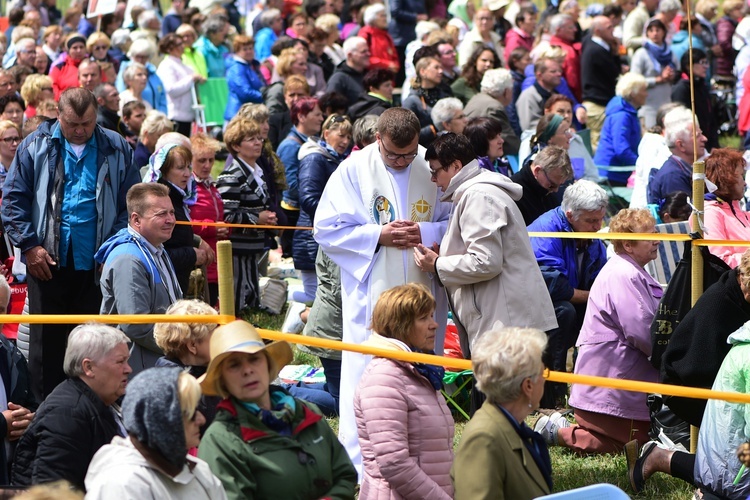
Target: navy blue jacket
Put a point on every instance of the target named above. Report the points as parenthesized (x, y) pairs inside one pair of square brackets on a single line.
[(618, 143), (674, 175), (317, 164), (404, 20)]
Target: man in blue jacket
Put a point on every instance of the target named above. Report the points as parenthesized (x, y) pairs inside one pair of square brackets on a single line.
[(569, 267), (64, 196)]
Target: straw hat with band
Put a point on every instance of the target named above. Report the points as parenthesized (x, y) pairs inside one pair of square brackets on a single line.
[(241, 336)]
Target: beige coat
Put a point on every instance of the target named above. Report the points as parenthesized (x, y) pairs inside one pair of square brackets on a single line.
[(493, 463), (486, 262)]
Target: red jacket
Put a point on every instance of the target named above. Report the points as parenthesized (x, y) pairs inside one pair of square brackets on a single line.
[(208, 208), (64, 75), (517, 38), (383, 53), (572, 65)]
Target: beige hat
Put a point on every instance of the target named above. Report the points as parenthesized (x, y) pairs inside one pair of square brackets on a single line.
[(241, 336), (497, 4)]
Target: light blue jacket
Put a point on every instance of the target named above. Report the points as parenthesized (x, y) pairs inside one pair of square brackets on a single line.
[(154, 93)]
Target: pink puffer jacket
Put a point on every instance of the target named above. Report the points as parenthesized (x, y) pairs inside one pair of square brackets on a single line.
[(405, 432)]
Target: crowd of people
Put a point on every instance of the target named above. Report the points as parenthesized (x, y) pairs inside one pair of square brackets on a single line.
[(422, 141)]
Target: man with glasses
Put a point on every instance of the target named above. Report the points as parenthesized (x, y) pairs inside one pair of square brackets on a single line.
[(549, 170), (376, 208), (64, 196), (138, 276)]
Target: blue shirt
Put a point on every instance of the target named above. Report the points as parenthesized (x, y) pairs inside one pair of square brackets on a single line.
[(78, 213)]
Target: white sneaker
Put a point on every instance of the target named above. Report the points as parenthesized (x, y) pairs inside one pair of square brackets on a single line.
[(292, 321), (548, 426)]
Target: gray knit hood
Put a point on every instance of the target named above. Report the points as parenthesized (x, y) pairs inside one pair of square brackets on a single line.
[(152, 414)]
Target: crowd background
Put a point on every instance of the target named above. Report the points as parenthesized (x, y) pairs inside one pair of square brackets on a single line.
[(551, 117)]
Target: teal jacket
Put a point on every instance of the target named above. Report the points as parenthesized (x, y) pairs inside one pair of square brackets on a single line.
[(255, 462)]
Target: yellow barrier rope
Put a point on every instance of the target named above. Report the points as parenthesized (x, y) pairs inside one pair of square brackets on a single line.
[(113, 319), (239, 226)]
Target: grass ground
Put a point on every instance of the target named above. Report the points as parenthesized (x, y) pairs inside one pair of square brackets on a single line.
[(569, 470)]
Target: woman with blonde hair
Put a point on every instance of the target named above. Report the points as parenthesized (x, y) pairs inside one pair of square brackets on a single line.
[(98, 45), (499, 455), (319, 157), (407, 444), (291, 62), (425, 89), (160, 413), (265, 443), (34, 90)]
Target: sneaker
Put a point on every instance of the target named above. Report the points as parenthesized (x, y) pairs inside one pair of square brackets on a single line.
[(548, 425), (292, 321)]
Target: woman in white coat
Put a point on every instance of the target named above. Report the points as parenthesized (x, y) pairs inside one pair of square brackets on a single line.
[(178, 79)]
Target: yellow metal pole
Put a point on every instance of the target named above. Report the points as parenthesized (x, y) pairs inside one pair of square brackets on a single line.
[(226, 277)]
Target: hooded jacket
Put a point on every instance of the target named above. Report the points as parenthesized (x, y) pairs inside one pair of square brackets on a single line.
[(317, 163), (618, 143), (367, 104), (347, 81), (64, 74), (486, 262), (131, 284), (405, 431), (245, 85), (725, 425)]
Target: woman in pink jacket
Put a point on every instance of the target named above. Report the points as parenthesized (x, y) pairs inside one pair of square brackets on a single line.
[(724, 218), (405, 427)]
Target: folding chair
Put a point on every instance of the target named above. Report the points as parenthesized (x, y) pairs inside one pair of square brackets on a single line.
[(669, 253), (460, 385), (601, 491)]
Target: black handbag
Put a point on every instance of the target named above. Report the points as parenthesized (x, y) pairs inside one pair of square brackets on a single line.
[(676, 302), (664, 419)]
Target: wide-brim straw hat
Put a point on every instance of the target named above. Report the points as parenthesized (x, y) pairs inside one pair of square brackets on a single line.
[(241, 336)]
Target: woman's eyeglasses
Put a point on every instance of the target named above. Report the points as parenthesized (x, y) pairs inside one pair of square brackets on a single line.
[(12, 140)]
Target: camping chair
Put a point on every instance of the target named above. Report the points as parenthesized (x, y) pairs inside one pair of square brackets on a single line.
[(616, 191), (459, 384), (669, 254)]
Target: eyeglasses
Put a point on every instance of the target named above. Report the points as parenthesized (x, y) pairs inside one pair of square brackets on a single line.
[(389, 155), (703, 62), (12, 140), (48, 89), (434, 173), (552, 185), (101, 47), (459, 117)]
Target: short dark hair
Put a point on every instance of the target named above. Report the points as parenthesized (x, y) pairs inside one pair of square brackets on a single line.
[(612, 10), (400, 125), (525, 11), (515, 56), (450, 147), (480, 131), (312, 7), (168, 42), (676, 205), (336, 102), (377, 77), (425, 51), (78, 99), (136, 197), (282, 43), (5, 100), (698, 54), (129, 107)]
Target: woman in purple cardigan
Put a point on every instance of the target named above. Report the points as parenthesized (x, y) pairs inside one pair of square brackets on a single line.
[(614, 342)]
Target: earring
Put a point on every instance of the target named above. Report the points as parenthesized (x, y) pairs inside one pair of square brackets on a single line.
[(530, 405)]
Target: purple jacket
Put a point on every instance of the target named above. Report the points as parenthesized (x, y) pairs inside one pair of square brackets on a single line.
[(615, 340)]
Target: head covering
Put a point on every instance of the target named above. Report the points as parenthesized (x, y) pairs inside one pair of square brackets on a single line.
[(497, 4), (74, 39), (550, 129), (457, 8), (152, 414), (241, 336), (153, 174)]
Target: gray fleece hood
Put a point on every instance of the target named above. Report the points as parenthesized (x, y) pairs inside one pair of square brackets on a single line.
[(472, 174)]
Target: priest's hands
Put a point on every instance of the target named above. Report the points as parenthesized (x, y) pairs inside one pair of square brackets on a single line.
[(402, 234)]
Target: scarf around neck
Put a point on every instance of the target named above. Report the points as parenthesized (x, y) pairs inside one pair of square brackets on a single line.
[(281, 415), (660, 55)]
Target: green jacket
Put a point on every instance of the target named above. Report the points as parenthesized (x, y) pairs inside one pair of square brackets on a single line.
[(253, 461), (462, 90)]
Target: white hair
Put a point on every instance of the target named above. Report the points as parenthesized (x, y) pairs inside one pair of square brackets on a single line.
[(584, 196), (142, 47), (678, 124), (145, 18), (630, 84), (28, 42), (172, 138), (669, 6), (92, 341), (131, 70), (424, 28), (352, 43), (371, 12), (4, 286), (120, 37), (502, 358), (444, 110), (496, 81), (557, 21)]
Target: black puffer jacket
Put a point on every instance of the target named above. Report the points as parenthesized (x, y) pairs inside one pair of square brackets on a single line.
[(69, 428)]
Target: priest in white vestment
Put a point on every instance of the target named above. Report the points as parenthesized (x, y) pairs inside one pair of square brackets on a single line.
[(376, 208)]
